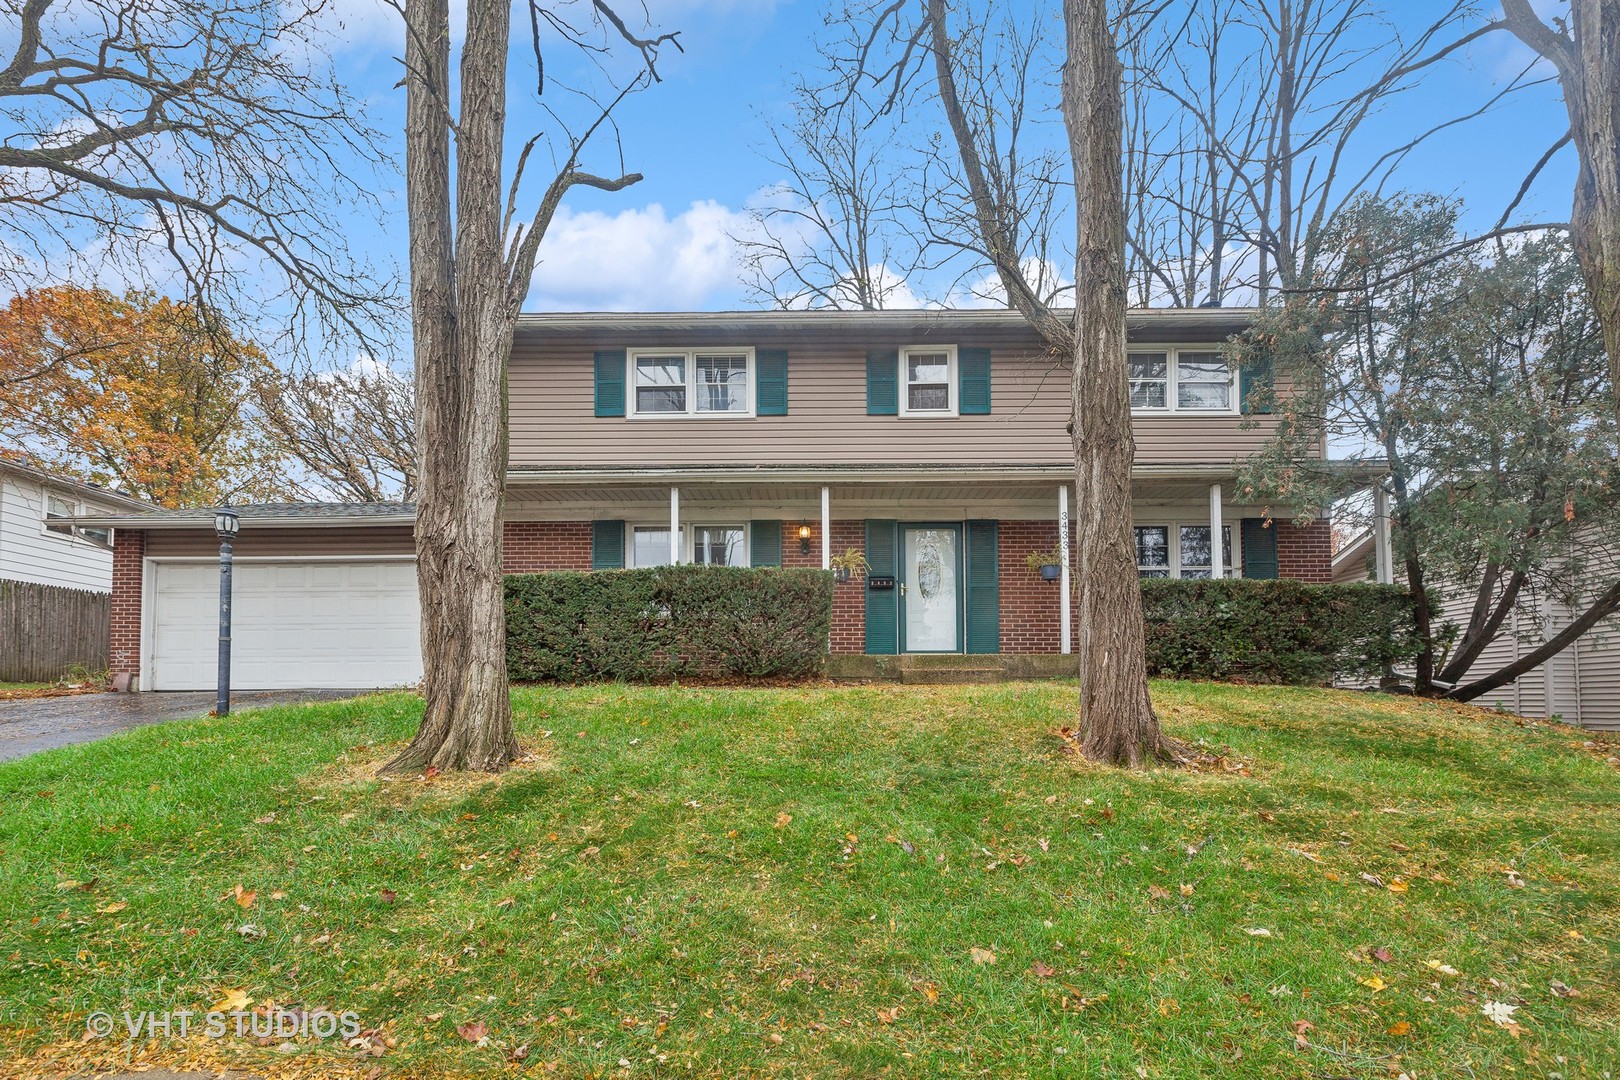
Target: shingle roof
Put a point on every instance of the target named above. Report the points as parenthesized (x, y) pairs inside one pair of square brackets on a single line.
[(269, 514), (89, 491)]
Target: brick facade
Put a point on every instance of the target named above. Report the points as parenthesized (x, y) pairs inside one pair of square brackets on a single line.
[(849, 597), (124, 631), (1030, 605), (528, 547), (1305, 552)]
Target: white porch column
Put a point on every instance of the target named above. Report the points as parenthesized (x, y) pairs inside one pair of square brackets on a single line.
[(674, 525), (1066, 646), (1217, 566), (1383, 561), (826, 529)]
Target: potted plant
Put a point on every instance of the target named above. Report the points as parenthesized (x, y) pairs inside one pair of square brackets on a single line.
[(1048, 564), (846, 566)]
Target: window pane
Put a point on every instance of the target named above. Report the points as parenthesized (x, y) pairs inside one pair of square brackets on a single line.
[(1153, 546), (722, 384), (1203, 395), (1194, 548), (1203, 381), (717, 545), (1195, 573), (651, 547), (56, 509), (1201, 366), (660, 384), (1148, 365), (97, 536), (928, 367), (1153, 573), (928, 399), (1147, 395)]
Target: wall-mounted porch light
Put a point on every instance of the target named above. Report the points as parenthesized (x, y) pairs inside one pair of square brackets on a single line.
[(804, 538)]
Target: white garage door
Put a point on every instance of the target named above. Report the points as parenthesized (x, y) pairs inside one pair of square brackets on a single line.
[(295, 624)]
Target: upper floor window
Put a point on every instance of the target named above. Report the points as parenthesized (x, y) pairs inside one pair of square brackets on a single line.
[(1181, 380), (928, 377), (707, 382), (59, 514)]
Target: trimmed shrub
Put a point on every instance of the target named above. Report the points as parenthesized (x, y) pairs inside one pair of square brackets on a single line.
[(1276, 631), (667, 622)]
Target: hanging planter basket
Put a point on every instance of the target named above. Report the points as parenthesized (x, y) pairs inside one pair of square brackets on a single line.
[(1051, 571)]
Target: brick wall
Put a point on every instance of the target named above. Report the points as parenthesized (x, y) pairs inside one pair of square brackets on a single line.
[(1030, 605), (531, 546), (1305, 552), (849, 597), (124, 637)]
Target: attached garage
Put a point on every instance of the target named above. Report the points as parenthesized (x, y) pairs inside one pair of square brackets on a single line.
[(324, 597), (315, 622)]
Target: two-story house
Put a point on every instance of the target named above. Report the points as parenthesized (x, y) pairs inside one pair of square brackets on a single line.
[(933, 443)]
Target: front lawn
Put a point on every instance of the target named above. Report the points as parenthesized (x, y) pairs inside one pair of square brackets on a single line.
[(831, 882)]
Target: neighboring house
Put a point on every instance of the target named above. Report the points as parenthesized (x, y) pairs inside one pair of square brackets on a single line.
[(935, 443), (1580, 685), (41, 543)]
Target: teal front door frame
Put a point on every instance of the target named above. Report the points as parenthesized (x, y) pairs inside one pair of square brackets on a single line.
[(905, 585)]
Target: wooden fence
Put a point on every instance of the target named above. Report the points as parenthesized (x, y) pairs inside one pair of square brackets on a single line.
[(47, 630)]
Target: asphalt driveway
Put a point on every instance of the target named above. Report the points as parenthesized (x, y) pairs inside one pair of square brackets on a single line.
[(33, 724)]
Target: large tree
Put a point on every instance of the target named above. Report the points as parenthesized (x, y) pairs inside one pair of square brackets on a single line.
[(143, 394), (471, 257), (201, 147), (1479, 386), (1584, 48)]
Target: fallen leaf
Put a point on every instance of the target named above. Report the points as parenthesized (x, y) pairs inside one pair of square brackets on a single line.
[(888, 1016), (1156, 892), (1563, 990), (1444, 969), (113, 908), (1400, 1027), (64, 886), (1500, 1013), (1257, 931), (231, 1001), (930, 992), (1299, 1028), (1382, 955), (1186, 889), (474, 1031), (250, 931), (783, 820), (518, 1053), (982, 956), (1042, 970), (1372, 879), (505, 902), (1373, 983), (1396, 885), (388, 896)]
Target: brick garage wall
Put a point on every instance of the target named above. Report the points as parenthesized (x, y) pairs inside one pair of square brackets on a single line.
[(124, 637), (532, 546), (849, 597), (1305, 552)]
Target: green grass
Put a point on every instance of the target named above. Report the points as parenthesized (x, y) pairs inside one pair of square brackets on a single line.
[(664, 912)]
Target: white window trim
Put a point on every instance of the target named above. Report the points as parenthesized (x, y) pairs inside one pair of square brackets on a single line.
[(952, 384), (75, 534), (688, 538), (1232, 570), (692, 412), (1170, 396)]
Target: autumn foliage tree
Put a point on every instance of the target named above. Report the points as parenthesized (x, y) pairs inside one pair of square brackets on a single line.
[(137, 392)]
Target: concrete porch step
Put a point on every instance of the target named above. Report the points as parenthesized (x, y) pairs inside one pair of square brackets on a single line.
[(936, 669)]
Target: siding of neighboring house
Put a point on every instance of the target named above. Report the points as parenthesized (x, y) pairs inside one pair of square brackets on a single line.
[(553, 422), (1597, 656), (29, 553)]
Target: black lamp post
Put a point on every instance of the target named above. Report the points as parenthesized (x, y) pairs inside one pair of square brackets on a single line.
[(225, 524)]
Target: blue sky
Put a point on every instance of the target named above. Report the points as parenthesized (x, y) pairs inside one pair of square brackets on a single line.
[(664, 243)]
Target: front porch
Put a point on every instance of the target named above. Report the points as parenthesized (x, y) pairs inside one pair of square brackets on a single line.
[(946, 550)]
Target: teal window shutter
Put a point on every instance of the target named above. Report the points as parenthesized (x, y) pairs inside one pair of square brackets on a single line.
[(1250, 378), (765, 543), (983, 588), (1259, 549), (883, 382), (882, 605), (610, 365), (973, 382), (607, 545), (771, 377)]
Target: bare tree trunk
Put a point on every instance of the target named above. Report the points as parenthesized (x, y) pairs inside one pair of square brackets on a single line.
[(463, 331), (1118, 723), (1587, 57)]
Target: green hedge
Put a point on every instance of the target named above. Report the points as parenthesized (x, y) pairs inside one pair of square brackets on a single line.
[(667, 622), (1276, 631)]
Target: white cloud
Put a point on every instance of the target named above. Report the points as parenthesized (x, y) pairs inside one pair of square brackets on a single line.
[(639, 259)]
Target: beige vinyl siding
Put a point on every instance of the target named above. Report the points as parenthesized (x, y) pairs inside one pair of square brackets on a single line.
[(552, 422), (262, 543), (1597, 656)]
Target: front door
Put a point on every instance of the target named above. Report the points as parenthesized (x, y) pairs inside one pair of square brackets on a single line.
[(930, 588)]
